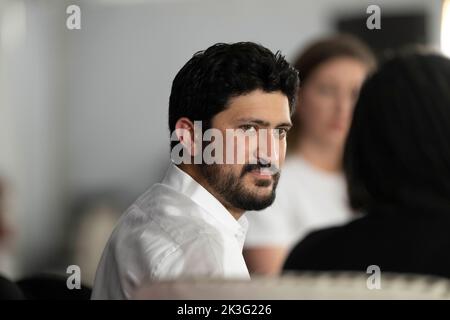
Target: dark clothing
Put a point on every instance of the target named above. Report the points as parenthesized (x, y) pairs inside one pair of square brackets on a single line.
[(393, 239), (9, 290)]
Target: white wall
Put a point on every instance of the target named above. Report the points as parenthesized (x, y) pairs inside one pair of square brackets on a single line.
[(33, 85)]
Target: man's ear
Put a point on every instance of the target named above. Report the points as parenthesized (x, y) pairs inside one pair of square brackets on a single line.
[(185, 131)]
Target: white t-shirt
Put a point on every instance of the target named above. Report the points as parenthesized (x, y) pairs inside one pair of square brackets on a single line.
[(177, 229), (307, 198)]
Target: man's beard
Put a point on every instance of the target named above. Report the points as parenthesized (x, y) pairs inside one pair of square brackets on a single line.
[(232, 189)]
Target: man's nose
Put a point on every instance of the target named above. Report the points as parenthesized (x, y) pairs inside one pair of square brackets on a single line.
[(267, 151)]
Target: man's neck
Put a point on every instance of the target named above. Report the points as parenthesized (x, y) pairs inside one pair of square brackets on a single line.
[(193, 171)]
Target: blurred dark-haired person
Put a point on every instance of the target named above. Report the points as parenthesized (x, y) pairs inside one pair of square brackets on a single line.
[(312, 190), (192, 224), (397, 162)]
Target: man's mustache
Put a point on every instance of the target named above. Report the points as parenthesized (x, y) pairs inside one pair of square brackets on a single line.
[(268, 167)]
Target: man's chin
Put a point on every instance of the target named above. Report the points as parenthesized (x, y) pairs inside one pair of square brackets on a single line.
[(261, 203), (261, 198), (262, 192)]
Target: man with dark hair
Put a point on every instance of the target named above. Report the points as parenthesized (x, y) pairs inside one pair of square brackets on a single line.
[(229, 113)]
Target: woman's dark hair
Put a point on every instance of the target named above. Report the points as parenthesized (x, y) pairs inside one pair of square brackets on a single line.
[(398, 148), (324, 50), (205, 84)]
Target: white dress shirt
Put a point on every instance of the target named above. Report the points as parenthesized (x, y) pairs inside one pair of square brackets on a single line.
[(175, 229)]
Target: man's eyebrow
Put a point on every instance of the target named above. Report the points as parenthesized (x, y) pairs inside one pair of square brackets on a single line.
[(263, 123), (285, 124), (260, 122)]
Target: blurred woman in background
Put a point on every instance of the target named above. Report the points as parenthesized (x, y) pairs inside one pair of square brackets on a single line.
[(397, 164), (312, 192)]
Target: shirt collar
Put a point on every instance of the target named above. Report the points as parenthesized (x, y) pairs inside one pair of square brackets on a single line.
[(182, 182)]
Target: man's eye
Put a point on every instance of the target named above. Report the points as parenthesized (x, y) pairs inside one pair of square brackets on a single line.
[(280, 133), (249, 129)]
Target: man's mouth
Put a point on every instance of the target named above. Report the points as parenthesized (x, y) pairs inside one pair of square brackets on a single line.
[(264, 173), (259, 171)]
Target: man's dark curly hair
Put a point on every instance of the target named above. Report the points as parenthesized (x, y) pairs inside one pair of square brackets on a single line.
[(205, 84)]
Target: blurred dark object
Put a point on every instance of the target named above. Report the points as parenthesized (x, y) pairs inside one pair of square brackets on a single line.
[(51, 287), (397, 31), (6, 232), (3, 230), (9, 290)]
